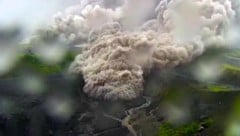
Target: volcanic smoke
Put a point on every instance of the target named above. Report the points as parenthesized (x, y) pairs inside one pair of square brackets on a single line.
[(125, 39)]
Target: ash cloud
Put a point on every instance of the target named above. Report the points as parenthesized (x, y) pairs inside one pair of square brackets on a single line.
[(127, 39)]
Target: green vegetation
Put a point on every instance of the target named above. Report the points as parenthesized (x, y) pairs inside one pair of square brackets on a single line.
[(220, 88), (30, 62), (231, 69), (167, 129), (234, 53), (233, 124), (34, 63)]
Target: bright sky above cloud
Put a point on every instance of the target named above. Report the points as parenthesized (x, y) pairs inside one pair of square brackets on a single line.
[(30, 13)]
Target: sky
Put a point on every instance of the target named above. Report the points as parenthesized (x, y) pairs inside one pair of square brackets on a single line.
[(30, 13)]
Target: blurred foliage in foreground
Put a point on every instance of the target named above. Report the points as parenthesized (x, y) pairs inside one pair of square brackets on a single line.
[(30, 62), (183, 92)]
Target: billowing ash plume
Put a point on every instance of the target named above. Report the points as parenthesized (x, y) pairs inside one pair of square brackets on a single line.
[(76, 22), (113, 65), (128, 38), (206, 19)]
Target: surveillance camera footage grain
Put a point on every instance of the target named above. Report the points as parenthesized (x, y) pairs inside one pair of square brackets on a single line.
[(120, 68)]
